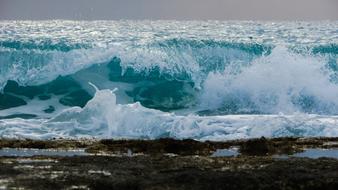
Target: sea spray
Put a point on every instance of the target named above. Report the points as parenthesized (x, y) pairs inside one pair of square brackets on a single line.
[(207, 80), (279, 82)]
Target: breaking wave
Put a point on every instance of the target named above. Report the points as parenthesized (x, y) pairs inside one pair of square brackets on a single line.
[(102, 117), (209, 76), (207, 81)]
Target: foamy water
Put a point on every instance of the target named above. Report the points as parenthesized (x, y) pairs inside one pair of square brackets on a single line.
[(203, 80)]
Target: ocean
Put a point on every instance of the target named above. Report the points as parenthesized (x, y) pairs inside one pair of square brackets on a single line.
[(205, 80)]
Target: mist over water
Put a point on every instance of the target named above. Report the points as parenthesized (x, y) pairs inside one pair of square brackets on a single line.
[(202, 80)]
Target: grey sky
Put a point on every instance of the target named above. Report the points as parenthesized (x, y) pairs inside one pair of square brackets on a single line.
[(170, 9)]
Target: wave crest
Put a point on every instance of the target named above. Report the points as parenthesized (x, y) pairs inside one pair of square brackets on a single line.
[(213, 76), (280, 82)]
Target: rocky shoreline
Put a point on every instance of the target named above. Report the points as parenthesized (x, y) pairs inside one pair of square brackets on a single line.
[(168, 164)]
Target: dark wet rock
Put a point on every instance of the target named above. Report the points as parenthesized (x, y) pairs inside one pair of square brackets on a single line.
[(50, 109), (167, 172), (257, 147), (9, 101), (45, 144), (147, 165), (76, 98), (160, 146), (263, 146)]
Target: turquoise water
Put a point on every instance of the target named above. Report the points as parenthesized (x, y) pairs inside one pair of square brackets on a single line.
[(193, 79)]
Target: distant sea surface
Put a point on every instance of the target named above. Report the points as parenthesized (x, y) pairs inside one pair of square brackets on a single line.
[(205, 80)]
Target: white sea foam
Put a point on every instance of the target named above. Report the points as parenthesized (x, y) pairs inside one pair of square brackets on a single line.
[(279, 82), (103, 118), (246, 67), (30, 52), (35, 66)]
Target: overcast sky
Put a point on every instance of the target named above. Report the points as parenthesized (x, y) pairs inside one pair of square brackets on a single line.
[(170, 9)]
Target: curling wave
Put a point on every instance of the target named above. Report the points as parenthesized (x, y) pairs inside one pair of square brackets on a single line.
[(212, 77), (208, 80)]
